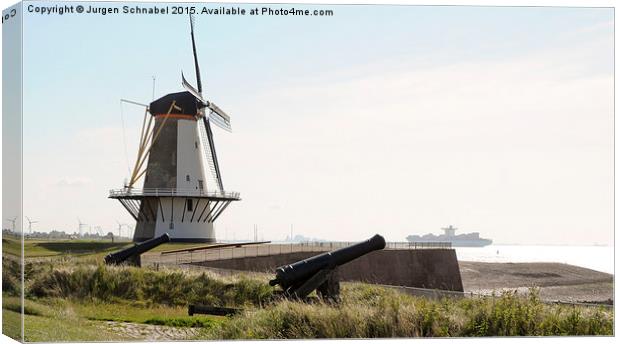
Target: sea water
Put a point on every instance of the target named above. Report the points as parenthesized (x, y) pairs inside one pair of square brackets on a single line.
[(600, 258)]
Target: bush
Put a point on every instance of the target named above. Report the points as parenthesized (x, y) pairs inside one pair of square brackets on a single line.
[(142, 285)]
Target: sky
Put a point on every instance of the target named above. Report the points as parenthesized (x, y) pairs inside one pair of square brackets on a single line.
[(395, 120)]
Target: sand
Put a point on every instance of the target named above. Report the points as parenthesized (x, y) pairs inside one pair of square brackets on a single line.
[(556, 282)]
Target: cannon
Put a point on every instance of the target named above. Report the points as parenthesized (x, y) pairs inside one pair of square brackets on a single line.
[(211, 310), (299, 279), (132, 254)]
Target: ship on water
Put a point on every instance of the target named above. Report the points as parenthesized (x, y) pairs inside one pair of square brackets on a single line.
[(461, 240)]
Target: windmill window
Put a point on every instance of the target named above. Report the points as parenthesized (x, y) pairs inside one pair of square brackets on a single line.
[(171, 225), (195, 144), (190, 205), (200, 186), (187, 178)]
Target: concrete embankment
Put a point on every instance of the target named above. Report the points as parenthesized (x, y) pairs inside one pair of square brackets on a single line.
[(424, 268)]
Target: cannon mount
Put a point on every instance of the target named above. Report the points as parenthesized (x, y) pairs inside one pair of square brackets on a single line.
[(131, 255), (320, 272)]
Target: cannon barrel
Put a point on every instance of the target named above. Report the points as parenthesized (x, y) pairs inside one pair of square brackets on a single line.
[(300, 271), (119, 257)]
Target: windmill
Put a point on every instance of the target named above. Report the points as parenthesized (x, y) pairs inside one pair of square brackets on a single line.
[(80, 226), (183, 192), (30, 222)]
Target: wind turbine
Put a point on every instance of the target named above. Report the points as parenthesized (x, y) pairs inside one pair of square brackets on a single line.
[(13, 222), (120, 227), (30, 222), (130, 230)]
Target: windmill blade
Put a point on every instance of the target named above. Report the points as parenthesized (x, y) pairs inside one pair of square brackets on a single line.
[(216, 165), (133, 103), (211, 178), (191, 24), (192, 90), (217, 120), (219, 117)]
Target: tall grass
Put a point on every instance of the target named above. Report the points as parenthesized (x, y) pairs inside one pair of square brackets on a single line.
[(369, 312), (11, 273), (168, 287)]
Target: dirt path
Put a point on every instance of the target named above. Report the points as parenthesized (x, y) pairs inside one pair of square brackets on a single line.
[(150, 332)]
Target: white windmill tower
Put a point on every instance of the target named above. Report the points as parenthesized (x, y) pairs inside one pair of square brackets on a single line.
[(183, 193)]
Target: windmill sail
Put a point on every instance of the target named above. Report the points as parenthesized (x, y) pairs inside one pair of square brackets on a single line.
[(191, 24), (214, 181), (192, 90), (218, 121), (219, 117)]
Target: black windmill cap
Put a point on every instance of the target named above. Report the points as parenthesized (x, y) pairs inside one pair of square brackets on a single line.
[(185, 102)]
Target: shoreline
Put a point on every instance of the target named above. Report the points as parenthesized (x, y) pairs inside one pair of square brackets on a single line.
[(599, 258), (555, 281)]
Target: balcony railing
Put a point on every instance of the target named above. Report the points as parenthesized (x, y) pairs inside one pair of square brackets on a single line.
[(172, 192)]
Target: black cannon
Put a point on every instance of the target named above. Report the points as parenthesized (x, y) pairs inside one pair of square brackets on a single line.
[(211, 310), (320, 272), (132, 254)]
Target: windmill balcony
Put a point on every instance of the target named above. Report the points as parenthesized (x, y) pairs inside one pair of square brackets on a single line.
[(173, 192)]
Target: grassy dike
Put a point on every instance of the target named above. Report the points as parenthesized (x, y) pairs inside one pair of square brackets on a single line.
[(78, 300)]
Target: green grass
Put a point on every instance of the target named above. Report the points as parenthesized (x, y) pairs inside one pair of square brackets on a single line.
[(14, 304), (11, 324), (11, 246), (48, 323), (51, 248), (203, 322), (136, 313), (55, 319), (64, 326)]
